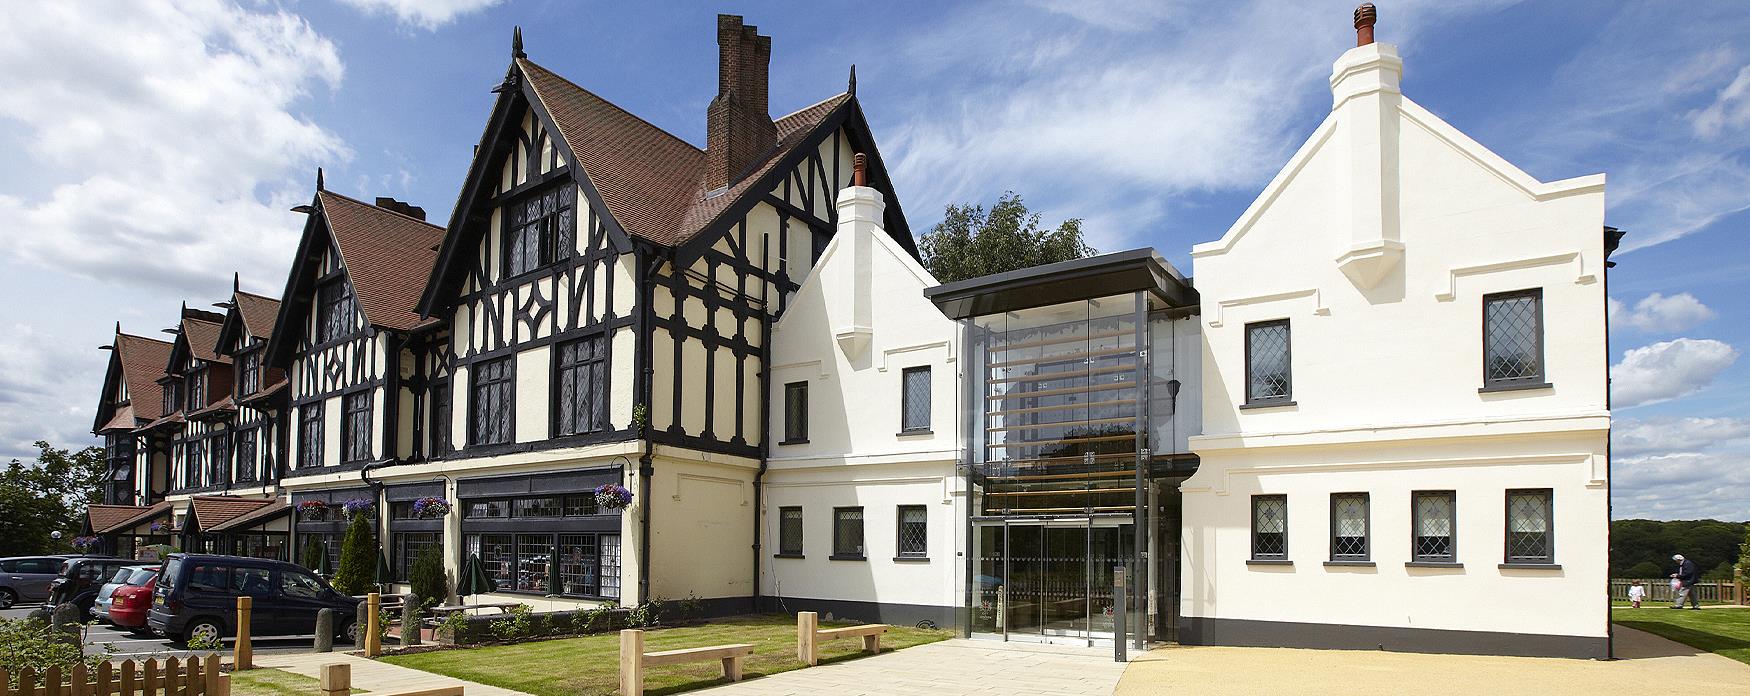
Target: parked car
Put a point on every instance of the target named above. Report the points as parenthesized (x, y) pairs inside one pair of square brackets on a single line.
[(129, 604), (123, 578), (27, 578), (196, 597), (82, 577)]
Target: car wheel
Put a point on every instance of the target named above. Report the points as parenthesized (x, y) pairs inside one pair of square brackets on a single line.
[(203, 630), (349, 632), (7, 598)]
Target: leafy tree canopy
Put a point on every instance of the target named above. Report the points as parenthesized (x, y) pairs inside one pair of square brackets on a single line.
[(47, 496), (970, 241), (1713, 546)]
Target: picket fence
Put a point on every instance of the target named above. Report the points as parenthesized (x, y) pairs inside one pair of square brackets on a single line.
[(1659, 590), (169, 677)]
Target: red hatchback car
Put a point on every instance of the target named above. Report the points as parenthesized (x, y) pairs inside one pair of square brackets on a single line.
[(129, 604)]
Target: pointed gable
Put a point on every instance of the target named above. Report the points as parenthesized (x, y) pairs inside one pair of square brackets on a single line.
[(258, 312), (136, 362), (387, 256)]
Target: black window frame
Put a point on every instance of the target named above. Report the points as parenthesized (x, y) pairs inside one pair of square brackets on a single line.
[(791, 531), (841, 520), (402, 557), (606, 567), (1339, 555), (580, 368), (499, 389), (905, 403), (1269, 557), (1417, 557), (336, 307), (1287, 396), (219, 459), (245, 454), (250, 380), (196, 391), (1533, 381), (554, 229), (1548, 557), (442, 401), (355, 426), (795, 413), (901, 549), (310, 435)]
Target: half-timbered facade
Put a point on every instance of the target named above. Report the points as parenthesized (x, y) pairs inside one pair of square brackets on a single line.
[(197, 387), (132, 397), (258, 391)]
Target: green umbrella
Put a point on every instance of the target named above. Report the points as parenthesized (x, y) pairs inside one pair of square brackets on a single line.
[(474, 578), (384, 575), (324, 567)]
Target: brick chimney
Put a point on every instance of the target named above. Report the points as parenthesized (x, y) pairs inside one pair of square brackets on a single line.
[(404, 208), (739, 129)]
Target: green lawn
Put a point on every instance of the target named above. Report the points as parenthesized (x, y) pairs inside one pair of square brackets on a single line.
[(273, 682), (1720, 631), (590, 664)]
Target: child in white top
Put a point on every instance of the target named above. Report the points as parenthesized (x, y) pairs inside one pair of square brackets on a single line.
[(1636, 593)]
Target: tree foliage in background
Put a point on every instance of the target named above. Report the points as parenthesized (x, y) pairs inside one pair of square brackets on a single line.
[(47, 496), (1714, 546), (358, 558), (427, 577), (311, 556), (970, 242)]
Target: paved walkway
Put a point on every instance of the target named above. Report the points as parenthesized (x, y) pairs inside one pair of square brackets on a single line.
[(376, 677), (1648, 664), (949, 668)]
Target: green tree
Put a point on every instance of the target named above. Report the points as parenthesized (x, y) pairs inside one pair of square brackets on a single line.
[(47, 496), (1646, 569), (427, 576), (970, 242), (311, 556), (358, 558)]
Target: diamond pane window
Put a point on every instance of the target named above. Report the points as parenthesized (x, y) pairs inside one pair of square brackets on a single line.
[(1435, 514), (1267, 362), (493, 398), (790, 531), (915, 400), (1269, 527), (847, 533), (534, 553), (914, 527), (1349, 527), (1513, 338), (1528, 527), (795, 412)]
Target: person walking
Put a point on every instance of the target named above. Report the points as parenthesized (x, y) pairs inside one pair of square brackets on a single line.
[(1636, 593), (1685, 578)]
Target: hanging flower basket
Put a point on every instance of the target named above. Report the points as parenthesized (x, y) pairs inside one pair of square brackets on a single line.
[(163, 527), (612, 496), (358, 506), (429, 508), (312, 510), (86, 543)]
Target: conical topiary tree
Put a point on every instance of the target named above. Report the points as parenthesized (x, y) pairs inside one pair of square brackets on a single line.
[(427, 576), (311, 557), (358, 558)]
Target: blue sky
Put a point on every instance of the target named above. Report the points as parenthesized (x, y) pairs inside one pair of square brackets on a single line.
[(155, 147)]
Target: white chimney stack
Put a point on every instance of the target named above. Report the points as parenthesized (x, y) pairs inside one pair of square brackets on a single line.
[(861, 210), (1365, 100)]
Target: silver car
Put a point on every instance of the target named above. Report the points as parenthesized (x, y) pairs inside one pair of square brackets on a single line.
[(27, 578), (136, 575)]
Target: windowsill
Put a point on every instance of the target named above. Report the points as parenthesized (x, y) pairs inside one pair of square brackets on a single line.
[(837, 557), (1252, 405), (1433, 564), (1530, 566), (911, 559), (787, 555), (1349, 564), (910, 433), (1490, 389), (803, 441), (1269, 562)]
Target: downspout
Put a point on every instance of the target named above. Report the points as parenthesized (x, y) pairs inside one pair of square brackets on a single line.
[(765, 417), (1612, 236), (647, 261)]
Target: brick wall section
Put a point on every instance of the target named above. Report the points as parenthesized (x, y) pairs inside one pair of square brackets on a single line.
[(739, 130)]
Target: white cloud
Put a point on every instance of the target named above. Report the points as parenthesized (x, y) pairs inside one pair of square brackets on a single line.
[(1730, 110), (45, 391), (1667, 370), (162, 137), (425, 14), (1657, 313), (1630, 436), (1682, 485)]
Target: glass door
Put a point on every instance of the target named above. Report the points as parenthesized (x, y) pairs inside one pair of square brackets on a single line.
[(1046, 580)]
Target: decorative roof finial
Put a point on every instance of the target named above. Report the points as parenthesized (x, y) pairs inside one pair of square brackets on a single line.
[(319, 180), (118, 326), (852, 89), (516, 43), (1365, 16), (236, 282), (859, 169)]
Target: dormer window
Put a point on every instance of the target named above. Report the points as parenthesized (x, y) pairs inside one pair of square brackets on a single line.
[(539, 230), (251, 381), (172, 397), (197, 389), (334, 310)]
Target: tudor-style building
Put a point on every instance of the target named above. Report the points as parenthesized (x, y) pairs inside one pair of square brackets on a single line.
[(132, 397)]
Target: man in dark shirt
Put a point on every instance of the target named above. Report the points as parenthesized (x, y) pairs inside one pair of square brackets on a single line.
[(1686, 576)]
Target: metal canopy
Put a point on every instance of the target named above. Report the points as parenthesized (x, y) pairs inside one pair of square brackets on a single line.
[(1066, 281)]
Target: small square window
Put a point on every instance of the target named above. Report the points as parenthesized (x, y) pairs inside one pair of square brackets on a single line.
[(1435, 519), (1268, 364), (1349, 525), (914, 531), (1513, 339), (790, 531), (847, 533), (1269, 527), (796, 412), (1530, 536)]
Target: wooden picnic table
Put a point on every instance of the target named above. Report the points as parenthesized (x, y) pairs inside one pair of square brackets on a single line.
[(447, 609)]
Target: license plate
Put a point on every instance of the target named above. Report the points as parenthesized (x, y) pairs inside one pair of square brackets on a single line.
[(157, 601)]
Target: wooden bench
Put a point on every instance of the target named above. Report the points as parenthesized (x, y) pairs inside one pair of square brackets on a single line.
[(809, 636), (633, 659), (447, 609)]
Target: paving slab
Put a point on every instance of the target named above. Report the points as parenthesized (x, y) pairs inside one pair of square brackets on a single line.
[(376, 677), (955, 667)]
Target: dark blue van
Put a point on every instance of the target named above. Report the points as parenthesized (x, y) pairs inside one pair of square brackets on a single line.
[(196, 597)]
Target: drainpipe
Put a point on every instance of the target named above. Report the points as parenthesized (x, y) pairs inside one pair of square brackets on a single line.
[(647, 263), (765, 421)]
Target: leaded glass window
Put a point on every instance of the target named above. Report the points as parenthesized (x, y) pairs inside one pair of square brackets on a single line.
[(1349, 527), (533, 554), (440, 417), (847, 533), (790, 531), (914, 397), (334, 310), (914, 531), (490, 408), (539, 230), (246, 464), (218, 460), (1268, 373), (580, 506), (355, 427), (1513, 338), (497, 554), (486, 509), (579, 564), (1435, 517), (408, 546), (310, 435), (1529, 539), (537, 507), (581, 394), (796, 412), (1269, 527), (251, 381)]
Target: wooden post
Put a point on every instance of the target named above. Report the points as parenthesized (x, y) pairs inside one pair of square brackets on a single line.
[(52, 681), (242, 655), (77, 680), (374, 644), (807, 637), (631, 662), (216, 684), (149, 681), (336, 679), (171, 677), (27, 681), (105, 679)]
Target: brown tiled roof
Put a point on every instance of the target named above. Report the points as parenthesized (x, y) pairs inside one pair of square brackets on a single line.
[(222, 406), (123, 420), (109, 518), (163, 421), (213, 510), (387, 256), (143, 361), (651, 181), (267, 512), (279, 384), (203, 340), (259, 313)]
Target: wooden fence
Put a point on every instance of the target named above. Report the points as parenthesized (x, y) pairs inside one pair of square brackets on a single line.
[(194, 677), (1659, 590)]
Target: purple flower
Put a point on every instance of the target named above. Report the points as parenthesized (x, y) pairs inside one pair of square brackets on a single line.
[(429, 508), (612, 496), (359, 506)]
